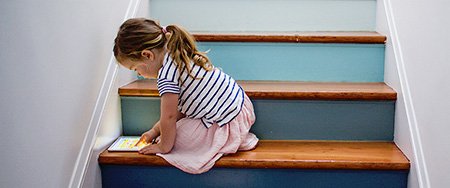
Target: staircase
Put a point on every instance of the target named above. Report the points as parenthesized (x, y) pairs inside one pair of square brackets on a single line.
[(324, 115)]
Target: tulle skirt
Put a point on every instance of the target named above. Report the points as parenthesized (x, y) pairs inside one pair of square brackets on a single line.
[(197, 148)]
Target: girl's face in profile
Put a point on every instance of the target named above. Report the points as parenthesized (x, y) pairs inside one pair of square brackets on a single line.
[(144, 67), (147, 66)]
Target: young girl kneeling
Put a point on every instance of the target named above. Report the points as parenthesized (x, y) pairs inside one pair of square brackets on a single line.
[(204, 112)]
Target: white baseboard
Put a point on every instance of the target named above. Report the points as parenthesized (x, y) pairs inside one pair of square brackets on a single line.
[(419, 159)]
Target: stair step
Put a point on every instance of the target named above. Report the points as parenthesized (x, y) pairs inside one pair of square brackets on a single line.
[(293, 155), (288, 110), (359, 37), (273, 163), (372, 91)]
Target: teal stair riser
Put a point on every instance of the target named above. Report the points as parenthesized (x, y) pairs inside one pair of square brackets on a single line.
[(299, 62), (324, 120), (256, 15), (289, 119), (151, 176)]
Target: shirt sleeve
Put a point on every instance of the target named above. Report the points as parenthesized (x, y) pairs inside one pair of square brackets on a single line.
[(168, 78), (167, 86)]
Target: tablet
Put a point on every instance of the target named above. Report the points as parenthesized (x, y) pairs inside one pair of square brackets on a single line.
[(127, 143)]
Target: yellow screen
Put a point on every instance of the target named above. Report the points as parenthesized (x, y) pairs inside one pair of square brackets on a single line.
[(131, 144)]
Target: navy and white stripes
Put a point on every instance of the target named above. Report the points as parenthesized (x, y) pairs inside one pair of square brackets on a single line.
[(212, 97)]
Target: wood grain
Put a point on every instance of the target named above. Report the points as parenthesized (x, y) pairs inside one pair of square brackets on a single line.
[(358, 37), (288, 90), (292, 154)]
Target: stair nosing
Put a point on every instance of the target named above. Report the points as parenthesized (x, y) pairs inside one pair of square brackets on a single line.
[(351, 151), (357, 37), (292, 90)]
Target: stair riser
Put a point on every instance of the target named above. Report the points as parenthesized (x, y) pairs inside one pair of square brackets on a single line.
[(319, 15), (324, 120), (148, 176), (289, 119), (299, 62)]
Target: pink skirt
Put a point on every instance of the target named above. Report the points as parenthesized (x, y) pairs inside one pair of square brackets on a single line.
[(197, 148)]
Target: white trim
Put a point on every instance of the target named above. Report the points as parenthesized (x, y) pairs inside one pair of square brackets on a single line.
[(421, 168), (87, 146)]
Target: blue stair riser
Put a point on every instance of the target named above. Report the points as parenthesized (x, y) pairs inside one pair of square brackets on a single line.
[(256, 15), (299, 62), (153, 176), (289, 119)]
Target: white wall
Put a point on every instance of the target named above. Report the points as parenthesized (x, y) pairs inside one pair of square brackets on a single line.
[(111, 123), (53, 59), (421, 76)]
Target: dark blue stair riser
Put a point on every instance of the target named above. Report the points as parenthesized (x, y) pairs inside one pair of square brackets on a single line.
[(289, 119), (154, 176)]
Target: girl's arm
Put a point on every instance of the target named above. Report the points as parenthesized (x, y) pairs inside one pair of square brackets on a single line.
[(166, 125), (153, 133)]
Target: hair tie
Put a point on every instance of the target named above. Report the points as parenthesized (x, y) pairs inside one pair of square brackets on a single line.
[(164, 30)]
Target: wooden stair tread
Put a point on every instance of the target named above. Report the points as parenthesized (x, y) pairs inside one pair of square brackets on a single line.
[(292, 154), (360, 37), (287, 90)]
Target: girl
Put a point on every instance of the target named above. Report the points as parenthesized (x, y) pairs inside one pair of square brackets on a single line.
[(204, 112)]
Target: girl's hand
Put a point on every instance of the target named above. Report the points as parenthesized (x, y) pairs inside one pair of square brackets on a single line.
[(151, 149), (148, 136)]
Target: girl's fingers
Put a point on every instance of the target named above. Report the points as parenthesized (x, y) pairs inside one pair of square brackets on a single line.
[(148, 139), (140, 140), (143, 150), (157, 139), (147, 150), (149, 136)]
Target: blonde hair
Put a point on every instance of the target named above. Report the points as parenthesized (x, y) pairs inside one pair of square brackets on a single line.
[(138, 34)]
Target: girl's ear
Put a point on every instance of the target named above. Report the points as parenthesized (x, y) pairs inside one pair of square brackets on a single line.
[(147, 54)]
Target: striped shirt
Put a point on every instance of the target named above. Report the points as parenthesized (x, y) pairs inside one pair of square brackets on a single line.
[(212, 97)]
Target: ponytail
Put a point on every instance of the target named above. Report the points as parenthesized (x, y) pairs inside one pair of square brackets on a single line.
[(183, 50)]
